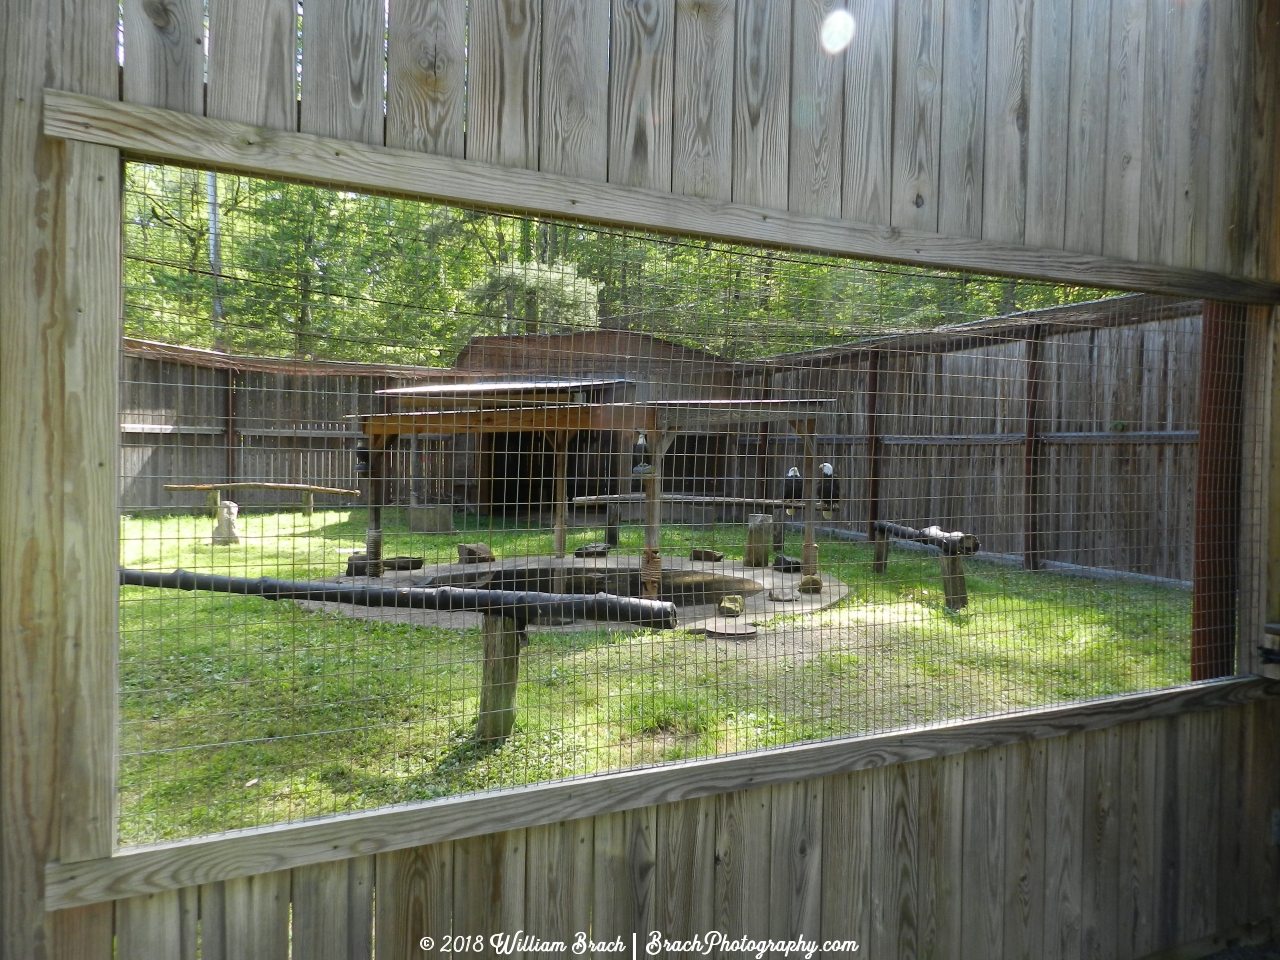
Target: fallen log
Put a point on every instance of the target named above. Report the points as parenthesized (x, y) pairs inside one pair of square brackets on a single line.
[(520, 606), (952, 544)]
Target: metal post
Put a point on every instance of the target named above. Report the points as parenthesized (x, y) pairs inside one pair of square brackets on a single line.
[(881, 545)]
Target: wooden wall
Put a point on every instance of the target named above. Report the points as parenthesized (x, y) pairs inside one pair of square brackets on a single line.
[(1115, 842), (1139, 129)]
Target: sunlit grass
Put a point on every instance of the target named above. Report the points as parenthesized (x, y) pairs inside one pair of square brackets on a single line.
[(238, 711)]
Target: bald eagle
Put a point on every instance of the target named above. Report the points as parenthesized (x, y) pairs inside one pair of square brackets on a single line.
[(792, 488), (828, 491)]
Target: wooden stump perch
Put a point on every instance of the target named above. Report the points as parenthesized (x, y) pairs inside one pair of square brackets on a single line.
[(759, 540), (497, 715)]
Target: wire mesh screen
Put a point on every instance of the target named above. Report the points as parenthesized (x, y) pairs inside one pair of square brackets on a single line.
[(418, 500)]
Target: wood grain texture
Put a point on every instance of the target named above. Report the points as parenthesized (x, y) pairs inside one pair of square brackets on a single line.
[(342, 69), (90, 463), (1099, 919), (1224, 197), (1005, 158), (846, 856), (895, 907), (642, 37), (1136, 900), (1261, 352), (414, 899), (1232, 894), (1087, 125), (1064, 827), (983, 882), (153, 133), (85, 933), (964, 101), (1048, 123), (941, 856), (917, 114), (817, 114), (159, 926), (256, 917), (625, 858), (744, 823), (252, 49), (1191, 127), (559, 879), (333, 910), (1262, 789), (761, 102), (575, 78), (426, 75), (505, 47), (1126, 94), (1260, 246), (1024, 845), (684, 868), (1199, 747), (488, 885), (702, 123), (164, 56), (795, 861), (868, 113), (1156, 203)]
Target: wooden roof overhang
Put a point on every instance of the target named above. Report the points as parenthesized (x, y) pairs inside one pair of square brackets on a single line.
[(654, 416)]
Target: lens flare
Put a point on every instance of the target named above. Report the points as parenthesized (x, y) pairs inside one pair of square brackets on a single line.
[(837, 31)]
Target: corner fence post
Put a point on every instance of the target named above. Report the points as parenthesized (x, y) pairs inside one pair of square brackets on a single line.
[(1033, 459), (1215, 572), (880, 559)]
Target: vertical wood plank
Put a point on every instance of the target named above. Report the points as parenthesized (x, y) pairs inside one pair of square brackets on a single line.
[(1199, 742), (575, 74), (640, 91), (342, 69), (941, 856), (817, 114), (252, 49), (1155, 202), (964, 101), (846, 857), (1101, 857), (702, 125), (90, 463), (1024, 868), (1225, 198), (558, 879), (426, 71), (1136, 902), (1190, 155), (917, 114), (414, 899), (488, 885), (983, 884), (502, 82), (159, 926), (213, 921), (1260, 247), (1168, 860), (744, 822), (868, 114), (1126, 93), (84, 933), (1262, 800), (1232, 890), (1048, 123), (255, 918), (164, 54), (795, 861), (761, 102), (1004, 191), (333, 910), (623, 874), (1063, 826), (895, 907), (684, 870), (1087, 125)]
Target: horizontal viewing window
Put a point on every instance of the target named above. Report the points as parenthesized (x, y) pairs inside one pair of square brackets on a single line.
[(419, 501)]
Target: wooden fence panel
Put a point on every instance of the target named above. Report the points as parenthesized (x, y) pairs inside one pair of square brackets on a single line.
[(642, 37), (867, 171), (559, 878), (817, 114), (702, 124), (164, 54), (941, 847), (343, 69), (847, 810), (625, 858), (1025, 886), (964, 102), (333, 910), (252, 62), (489, 890), (917, 130), (159, 926), (575, 72), (743, 856), (505, 40), (426, 75), (761, 103), (414, 900)]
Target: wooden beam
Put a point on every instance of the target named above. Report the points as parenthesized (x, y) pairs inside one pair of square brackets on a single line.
[(186, 862), (165, 135)]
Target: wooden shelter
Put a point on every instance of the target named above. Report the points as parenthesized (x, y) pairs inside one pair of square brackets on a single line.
[(1130, 144)]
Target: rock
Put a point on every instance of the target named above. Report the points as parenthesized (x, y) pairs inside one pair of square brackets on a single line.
[(810, 584), (785, 564), (475, 553), (430, 518), (731, 605), (358, 564), (593, 550), (706, 554), (225, 531), (783, 595)]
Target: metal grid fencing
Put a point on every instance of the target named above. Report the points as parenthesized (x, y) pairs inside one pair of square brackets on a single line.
[(466, 501)]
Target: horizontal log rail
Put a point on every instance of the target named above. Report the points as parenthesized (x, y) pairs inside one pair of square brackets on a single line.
[(1084, 437), (168, 866), (152, 133), (263, 485)]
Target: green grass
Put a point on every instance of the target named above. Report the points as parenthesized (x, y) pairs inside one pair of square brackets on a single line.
[(238, 711)]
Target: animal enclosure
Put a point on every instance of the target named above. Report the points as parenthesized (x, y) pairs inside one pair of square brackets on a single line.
[(855, 498)]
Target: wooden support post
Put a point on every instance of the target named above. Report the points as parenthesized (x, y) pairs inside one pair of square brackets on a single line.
[(759, 540), (308, 503), (611, 532), (1215, 573), (560, 447), (1034, 456), (879, 551), (954, 590), (809, 553), (874, 446), (497, 714), (377, 497), (212, 499), (779, 529), (651, 559), (230, 436), (416, 482)]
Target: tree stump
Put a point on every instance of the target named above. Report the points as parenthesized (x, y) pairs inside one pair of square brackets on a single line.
[(501, 672), (953, 586), (225, 531), (611, 520), (880, 551), (759, 540), (308, 503)]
